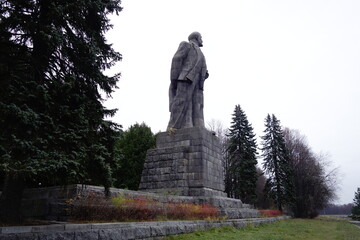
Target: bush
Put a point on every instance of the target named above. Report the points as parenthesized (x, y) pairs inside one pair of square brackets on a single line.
[(355, 211), (98, 208), (187, 211)]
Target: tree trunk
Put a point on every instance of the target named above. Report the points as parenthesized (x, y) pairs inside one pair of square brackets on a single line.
[(10, 199)]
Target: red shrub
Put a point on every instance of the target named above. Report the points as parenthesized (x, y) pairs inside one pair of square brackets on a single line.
[(188, 211), (270, 213)]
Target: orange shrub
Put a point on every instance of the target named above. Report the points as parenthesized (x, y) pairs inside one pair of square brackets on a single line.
[(187, 211), (270, 213)]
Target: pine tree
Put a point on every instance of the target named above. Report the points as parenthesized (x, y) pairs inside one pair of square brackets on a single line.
[(241, 174), (132, 147), (355, 211), (277, 164), (52, 58)]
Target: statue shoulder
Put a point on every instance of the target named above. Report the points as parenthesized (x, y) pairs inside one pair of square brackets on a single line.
[(182, 51), (185, 44)]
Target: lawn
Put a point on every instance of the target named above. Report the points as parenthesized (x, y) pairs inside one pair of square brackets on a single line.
[(323, 228)]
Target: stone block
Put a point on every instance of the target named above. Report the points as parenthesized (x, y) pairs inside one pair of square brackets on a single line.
[(54, 227), (156, 231), (181, 183), (171, 229), (15, 237), (77, 227), (98, 226), (86, 235), (17, 229), (63, 235), (111, 234), (142, 232), (181, 169), (195, 155)]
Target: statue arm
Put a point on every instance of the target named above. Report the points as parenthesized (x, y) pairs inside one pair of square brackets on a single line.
[(177, 61)]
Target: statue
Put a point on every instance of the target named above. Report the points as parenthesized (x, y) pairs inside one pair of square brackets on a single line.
[(188, 73)]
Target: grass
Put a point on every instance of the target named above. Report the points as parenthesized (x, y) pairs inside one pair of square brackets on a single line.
[(323, 228)]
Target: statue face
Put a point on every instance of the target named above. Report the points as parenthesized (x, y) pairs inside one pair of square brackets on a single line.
[(200, 41)]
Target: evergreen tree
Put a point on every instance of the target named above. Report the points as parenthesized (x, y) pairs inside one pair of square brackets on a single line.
[(277, 164), (355, 211), (132, 147), (241, 175), (52, 58)]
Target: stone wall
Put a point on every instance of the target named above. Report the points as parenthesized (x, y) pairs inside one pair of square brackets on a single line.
[(50, 203), (121, 231)]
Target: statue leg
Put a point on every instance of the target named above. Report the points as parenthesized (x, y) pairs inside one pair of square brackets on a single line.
[(181, 107), (198, 108)]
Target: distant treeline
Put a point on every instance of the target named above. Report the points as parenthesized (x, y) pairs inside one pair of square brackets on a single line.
[(333, 209)]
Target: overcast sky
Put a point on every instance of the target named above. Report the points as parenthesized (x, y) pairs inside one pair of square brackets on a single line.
[(299, 60)]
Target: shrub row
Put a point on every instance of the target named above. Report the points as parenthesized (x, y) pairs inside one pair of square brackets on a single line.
[(93, 207)]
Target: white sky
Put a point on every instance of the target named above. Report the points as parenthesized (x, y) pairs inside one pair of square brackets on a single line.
[(299, 60)]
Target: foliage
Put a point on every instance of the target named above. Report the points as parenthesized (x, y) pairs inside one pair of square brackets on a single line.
[(94, 207), (277, 164), (355, 211), (291, 229), (132, 147), (314, 186), (241, 175), (53, 54), (270, 213)]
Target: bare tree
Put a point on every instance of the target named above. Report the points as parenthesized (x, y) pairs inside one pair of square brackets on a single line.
[(262, 201), (217, 127), (315, 186)]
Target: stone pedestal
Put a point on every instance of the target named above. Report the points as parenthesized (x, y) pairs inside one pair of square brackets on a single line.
[(186, 163)]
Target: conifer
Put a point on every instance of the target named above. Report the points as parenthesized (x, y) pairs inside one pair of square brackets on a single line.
[(53, 54), (241, 175), (277, 164)]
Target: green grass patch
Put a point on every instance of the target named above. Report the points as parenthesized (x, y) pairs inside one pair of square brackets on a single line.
[(299, 229)]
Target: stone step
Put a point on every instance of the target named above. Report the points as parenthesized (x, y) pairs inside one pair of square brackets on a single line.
[(123, 231)]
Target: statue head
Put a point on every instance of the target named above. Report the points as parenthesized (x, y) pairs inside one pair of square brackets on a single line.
[(197, 38)]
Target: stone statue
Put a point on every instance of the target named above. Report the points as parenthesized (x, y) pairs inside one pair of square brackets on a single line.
[(188, 73)]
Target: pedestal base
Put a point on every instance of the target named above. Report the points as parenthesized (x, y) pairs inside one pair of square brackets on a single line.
[(186, 163)]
